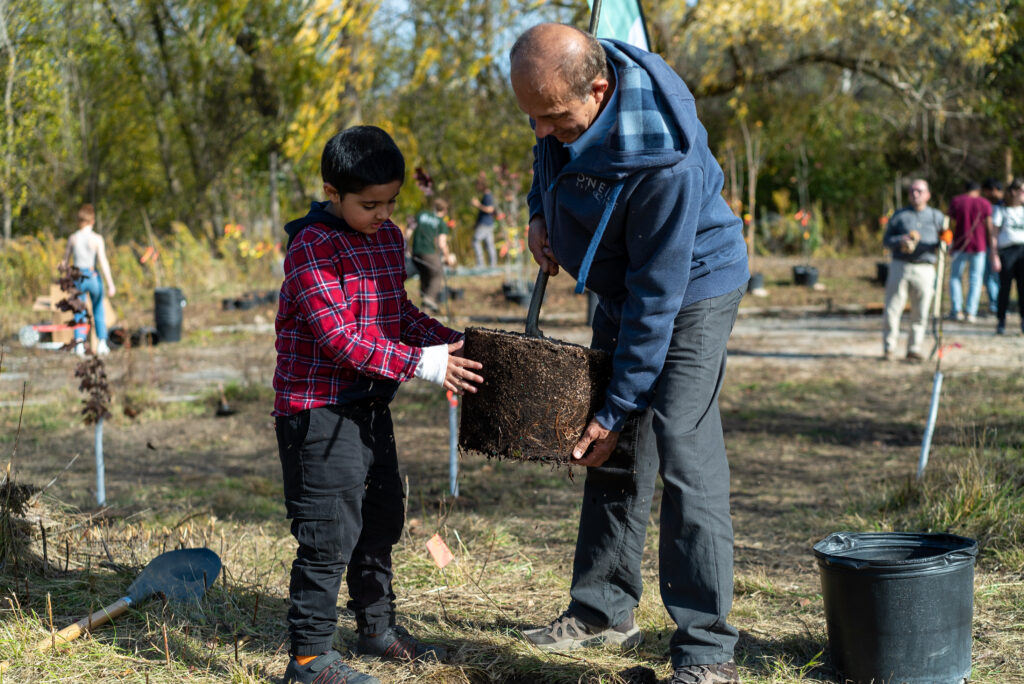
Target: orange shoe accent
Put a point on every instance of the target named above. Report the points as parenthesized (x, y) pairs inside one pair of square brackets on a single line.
[(302, 660)]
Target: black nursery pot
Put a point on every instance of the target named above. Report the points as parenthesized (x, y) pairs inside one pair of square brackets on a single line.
[(805, 275), (881, 272)]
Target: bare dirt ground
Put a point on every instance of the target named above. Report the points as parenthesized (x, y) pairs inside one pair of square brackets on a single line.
[(839, 423)]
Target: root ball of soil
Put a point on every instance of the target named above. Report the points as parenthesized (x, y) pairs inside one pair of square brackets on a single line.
[(537, 396)]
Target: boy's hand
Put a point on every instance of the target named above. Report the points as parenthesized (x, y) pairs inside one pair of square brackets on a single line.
[(459, 377)]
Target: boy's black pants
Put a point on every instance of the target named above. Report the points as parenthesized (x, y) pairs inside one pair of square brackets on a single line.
[(345, 500)]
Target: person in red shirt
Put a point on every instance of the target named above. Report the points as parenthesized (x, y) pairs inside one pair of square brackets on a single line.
[(972, 215), (347, 336)]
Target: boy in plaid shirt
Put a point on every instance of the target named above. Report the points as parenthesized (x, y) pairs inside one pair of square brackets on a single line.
[(347, 335)]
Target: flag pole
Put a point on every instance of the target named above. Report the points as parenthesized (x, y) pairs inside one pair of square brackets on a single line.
[(595, 17)]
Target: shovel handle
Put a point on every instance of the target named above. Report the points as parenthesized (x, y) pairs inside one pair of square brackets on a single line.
[(536, 298), (71, 632)]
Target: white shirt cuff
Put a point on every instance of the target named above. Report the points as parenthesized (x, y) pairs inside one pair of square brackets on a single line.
[(433, 364)]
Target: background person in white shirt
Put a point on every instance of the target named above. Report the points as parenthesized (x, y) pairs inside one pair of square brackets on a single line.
[(85, 250), (1006, 242)]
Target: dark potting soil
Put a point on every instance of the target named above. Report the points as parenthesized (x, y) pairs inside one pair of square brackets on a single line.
[(537, 396)]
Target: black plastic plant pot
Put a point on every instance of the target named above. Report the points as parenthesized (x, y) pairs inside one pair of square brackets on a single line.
[(881, 272), (805, 275), (898, 606)]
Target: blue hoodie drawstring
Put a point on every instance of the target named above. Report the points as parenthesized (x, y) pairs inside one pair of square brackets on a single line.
[(588, 258)]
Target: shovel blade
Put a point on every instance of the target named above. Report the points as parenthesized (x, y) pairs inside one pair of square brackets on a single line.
[(182, 575)]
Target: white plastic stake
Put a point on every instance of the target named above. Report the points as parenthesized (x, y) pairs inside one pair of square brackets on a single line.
[(933, 410), (101, 494)]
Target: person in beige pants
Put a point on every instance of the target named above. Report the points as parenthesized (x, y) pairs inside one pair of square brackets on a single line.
[(913, 237)]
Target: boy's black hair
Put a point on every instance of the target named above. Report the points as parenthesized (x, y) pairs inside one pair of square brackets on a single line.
[(360, 156), (991, 183)]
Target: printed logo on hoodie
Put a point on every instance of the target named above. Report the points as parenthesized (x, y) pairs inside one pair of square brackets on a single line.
[(597, 187)]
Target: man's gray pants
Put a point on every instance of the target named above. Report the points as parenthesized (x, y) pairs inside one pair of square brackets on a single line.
[(679, 436)]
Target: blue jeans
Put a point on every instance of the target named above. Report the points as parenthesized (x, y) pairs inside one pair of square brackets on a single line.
[(991, 286), (91, 285), (975, 263), (679, 436)]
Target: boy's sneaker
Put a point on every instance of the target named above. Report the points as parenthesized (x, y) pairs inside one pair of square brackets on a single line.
[(567, 633), (722, 673), (327, 668), (101, 348), (396, 643), (1000, 327)]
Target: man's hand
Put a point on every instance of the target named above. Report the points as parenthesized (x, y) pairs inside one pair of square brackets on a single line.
[(601, 439), (540, 247), (111, 290), (908, 243), (459, 376), (997, 265)]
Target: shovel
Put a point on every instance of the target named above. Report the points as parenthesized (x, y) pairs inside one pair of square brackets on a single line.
[(182, 575), (536, 299)]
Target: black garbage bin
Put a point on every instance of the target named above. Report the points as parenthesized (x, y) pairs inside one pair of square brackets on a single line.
[(168, 310), (898, 606)]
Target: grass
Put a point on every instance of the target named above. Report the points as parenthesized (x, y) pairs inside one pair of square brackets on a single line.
[(810, 454), (513, 559)]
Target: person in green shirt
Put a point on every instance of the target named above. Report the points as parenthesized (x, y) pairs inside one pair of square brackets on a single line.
[(430, 253)]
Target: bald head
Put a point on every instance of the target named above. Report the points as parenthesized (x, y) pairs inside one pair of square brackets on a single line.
[(557, 58)]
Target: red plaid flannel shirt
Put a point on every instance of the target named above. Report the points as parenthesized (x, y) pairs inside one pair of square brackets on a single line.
[(344, 320)]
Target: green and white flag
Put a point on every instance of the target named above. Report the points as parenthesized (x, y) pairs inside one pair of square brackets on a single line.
[(622, 20)]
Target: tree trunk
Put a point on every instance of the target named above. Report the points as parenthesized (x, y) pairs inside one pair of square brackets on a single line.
[(752, 146), (275, 210), (12, 63)]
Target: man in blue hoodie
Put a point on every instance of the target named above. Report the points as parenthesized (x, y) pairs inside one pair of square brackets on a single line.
[(626, 197)]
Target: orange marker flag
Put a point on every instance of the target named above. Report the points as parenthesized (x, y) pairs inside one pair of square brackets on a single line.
[(439, 551)]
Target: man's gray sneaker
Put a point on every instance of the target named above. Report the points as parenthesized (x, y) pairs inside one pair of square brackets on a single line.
[(722, 673), (326, 668), (567, 633)]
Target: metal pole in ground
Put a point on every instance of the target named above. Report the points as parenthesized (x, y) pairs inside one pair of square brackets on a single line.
[(453, 444)]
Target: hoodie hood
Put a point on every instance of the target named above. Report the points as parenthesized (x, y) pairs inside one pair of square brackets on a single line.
[(318, 214), (655, 118)]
